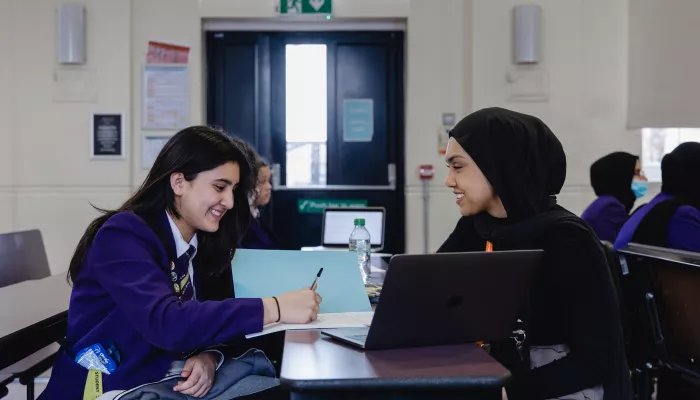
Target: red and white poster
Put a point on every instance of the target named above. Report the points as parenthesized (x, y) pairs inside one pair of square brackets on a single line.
[(165, 53)]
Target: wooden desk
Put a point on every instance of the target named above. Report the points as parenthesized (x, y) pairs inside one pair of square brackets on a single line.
[(316, 367)]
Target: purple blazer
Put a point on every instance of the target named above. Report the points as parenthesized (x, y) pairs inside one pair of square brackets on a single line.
[(260, 236), (683, 228), (124, 295), (605, 216)]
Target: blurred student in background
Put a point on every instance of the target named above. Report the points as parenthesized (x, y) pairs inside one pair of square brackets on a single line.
[(618, 181), (260, 234), (671, 219)]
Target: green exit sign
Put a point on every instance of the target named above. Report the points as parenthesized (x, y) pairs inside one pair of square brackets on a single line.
[(316, 206), (306, 7)]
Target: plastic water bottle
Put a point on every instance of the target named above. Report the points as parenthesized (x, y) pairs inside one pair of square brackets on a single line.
[(360, 243)]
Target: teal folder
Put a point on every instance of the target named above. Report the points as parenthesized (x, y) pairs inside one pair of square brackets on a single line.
[(267, 273)]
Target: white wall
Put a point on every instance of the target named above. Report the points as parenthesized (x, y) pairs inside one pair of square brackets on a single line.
[(584, 52), (46, 177), (662, 37), (458, 52), (7, 120), (439, 80)]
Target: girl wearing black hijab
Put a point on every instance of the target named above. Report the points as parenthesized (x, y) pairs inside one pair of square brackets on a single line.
[(618, 181), (506, 169)]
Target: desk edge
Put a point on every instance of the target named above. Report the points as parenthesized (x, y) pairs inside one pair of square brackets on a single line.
[(484, 382)]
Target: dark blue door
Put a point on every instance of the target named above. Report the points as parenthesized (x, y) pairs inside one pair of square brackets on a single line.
[(327, 110)]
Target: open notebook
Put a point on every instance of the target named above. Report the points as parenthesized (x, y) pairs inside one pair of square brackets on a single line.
[(324, 321)]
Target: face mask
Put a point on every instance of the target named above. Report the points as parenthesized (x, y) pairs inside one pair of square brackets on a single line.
[(639, 188)]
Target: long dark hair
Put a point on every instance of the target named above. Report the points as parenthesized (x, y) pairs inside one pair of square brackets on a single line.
[(191, 151), (260, 162)]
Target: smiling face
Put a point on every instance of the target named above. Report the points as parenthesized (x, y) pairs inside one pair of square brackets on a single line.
[(468, 183), (203, 201)]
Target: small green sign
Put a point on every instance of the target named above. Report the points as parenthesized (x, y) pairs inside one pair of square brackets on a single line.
[(306, 6), (316, 206)]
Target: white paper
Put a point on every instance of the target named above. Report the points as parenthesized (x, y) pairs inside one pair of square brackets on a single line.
[(324, 321), (150, 148), (165, 97), (358, 120)]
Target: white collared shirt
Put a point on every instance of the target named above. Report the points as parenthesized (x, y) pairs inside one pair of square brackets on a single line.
[(181, 248)]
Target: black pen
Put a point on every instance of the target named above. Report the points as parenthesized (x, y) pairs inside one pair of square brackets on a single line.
[(313, 285)]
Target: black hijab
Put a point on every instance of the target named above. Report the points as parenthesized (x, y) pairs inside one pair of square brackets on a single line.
[(524, 163), (679, 171), (526, 166), (612, 175)]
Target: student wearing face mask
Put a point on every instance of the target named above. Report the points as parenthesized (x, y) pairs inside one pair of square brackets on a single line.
[(153, 280), (506, 169), (672, 218), (618, 181), (260, 234)]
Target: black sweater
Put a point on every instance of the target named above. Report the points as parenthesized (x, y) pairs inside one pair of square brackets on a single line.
[(573, 302)]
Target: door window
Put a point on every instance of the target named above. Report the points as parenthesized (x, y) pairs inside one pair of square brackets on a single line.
[(306, 114)]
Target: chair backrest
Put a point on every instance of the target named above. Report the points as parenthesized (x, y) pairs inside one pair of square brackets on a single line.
[(22, 257), (642, 335), (678, 288), (671, 304), (615, 269)]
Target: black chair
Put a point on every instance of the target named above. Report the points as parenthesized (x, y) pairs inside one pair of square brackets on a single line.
[(24, 258), (665, 295), (4, 381), (641, 371), (616, 271)]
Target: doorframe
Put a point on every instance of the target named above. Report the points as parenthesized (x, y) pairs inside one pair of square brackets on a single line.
[(314, 24)]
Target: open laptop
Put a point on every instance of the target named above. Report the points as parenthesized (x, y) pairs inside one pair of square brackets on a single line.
[(338, 223), (448, 298), (22, 257)]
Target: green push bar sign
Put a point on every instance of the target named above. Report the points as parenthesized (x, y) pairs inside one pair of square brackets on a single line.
[(316, 206), (306, 7)]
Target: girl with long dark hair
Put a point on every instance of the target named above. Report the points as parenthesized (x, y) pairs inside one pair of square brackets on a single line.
[(152, 279)]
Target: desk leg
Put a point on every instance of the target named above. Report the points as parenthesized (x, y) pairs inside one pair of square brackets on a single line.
[(486, 394), (30, 389)]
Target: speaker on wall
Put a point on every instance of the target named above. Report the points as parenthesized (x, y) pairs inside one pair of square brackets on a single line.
[(526, 33), (71, 33)]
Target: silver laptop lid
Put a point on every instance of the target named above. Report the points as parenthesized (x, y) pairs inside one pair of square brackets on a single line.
[(22, 257), (338, 223)]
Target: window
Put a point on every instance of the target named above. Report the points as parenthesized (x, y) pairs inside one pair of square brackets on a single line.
[(657, 142), (306, 114)]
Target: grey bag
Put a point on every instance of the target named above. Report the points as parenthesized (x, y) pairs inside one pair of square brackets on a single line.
[(248, 374)]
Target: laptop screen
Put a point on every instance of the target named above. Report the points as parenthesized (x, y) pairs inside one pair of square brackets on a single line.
[(338, 224)]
